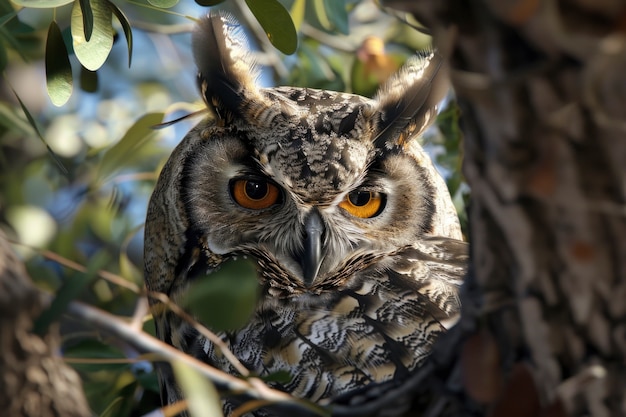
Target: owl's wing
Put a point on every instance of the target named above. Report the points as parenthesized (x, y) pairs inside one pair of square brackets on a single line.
[(435, 268), (439, 265)]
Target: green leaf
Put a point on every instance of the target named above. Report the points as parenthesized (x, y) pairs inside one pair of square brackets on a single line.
[(126, 149), (88, 80), (4, 58), (128, 32), (277, 24), (163, 4), (128, 270), (67, 38), (297, 12), (94, 349), (209, 2), (282, 377), (33, 124), (149, 327), (114, 408), (58, 68), (148, 380), (337, 14), (226, 298), (320, 12), (15, 26), (367, 77), (8, 37), (85, 8), (13, 121), (104, 388), (93, 52), (202, 397), (70, 289), (5, 18), (41, 4)]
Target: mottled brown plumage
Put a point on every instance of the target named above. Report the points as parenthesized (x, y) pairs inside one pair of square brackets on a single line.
[(353, 230)]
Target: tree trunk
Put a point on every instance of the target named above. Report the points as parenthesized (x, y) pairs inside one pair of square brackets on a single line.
[(34, 381), (542, 89)]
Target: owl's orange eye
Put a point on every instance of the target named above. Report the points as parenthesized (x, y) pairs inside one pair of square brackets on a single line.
[(363, 204), (254, 194)]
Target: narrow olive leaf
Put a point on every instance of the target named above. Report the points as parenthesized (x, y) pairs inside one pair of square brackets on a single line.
[(58, 68), (71, 288), (8, 12), (12, 120), (5, 18), (41, 4), (67, 38), (277, 24), (225, 299), (88, 80), (9, 37), (320, 12), (127, 148), (297, 13), (202, 397), (93, 52), (163, 4), (85, 8), (113, 409), (96, 350), (209, 2), (169, 123), (128, 32), (32, 122), (127, 268), (283, 377), (338, 15), (4, 58)]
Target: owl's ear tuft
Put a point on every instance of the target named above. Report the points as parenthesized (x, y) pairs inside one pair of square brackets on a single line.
[(226, 71), (406, 104)]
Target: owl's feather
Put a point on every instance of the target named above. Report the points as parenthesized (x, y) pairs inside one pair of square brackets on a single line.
[(226, 70), (367, 306), (407, 101)]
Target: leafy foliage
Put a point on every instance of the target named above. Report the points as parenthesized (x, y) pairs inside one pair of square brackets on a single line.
[(226, 299), (58, 68), (276, 23), (76, 203)]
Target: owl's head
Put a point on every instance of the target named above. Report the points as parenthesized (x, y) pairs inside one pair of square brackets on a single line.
[(311, 181)]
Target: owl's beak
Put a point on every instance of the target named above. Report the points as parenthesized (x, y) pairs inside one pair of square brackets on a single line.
[(311, 257)]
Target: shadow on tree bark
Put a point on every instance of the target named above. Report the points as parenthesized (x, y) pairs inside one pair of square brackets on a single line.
[(34, 380), (542, 90)]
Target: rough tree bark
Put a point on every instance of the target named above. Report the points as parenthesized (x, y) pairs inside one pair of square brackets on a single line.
[(34, 381), (542, 89)]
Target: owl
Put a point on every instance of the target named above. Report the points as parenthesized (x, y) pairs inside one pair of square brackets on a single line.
[(356, 241)]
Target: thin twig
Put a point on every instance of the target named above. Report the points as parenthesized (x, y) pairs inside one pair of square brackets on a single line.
[(101, 361), (248, 407), (216, 340), (174, 409), (335, 41), (157, 350), (141, 311), (61, 260)]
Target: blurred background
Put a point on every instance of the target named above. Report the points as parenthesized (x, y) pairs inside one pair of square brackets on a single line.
[(73, 196)]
